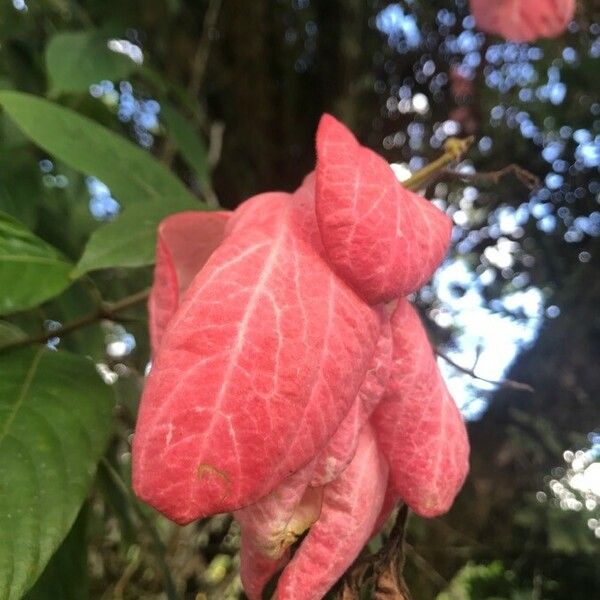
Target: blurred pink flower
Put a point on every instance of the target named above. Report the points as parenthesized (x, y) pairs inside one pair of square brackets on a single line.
[(523, 20)]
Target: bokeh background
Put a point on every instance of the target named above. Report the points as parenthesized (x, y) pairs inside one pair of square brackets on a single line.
[(517, 299)]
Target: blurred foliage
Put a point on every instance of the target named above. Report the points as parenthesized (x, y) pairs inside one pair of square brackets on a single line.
[(484, 582), (148, 108)]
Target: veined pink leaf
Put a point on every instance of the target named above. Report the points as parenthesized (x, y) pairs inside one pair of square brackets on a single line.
[(185, 242), (390, 500), (257, 569), (351, 505), (383, 239), (341, 448), (271, 525), (276, 520), (418, 426), (258, 367), (523, 20)]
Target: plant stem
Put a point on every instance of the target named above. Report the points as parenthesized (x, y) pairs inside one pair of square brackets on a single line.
[(504, 383), (200, 59), (454, 148), (528, 179), (159, 547), (106, 310)]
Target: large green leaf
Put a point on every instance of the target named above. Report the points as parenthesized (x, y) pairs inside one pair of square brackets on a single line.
[(31, 271), (188, 142), (77, 59), (132, 174), (66, 575), (128, 242), (55, 415)]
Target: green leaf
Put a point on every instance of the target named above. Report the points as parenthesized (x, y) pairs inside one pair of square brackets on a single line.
[(65, 576), (130, 241), (31, 271), (10, 333), (188, 142), (55, 415), (20, 183), (132, 174), (76, 60)]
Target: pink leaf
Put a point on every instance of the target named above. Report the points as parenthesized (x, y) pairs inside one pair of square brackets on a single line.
[(383, 239), (351, 505), (341, 448), (390, 501), (271, 525), (256, 370), (185, 242), (418, 426), (523, 20), (257, 569)]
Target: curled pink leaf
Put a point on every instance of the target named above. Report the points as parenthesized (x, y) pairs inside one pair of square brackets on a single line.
[(338, 453), (418, 426), (351, 505), (185, 242), (257, 368), (271, 525), (383, 239), (257, 569)]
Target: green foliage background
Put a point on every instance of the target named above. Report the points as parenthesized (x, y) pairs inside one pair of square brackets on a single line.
[(240, 90)]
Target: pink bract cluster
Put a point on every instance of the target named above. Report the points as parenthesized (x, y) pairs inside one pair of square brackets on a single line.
[(292, 382), (523, 20)]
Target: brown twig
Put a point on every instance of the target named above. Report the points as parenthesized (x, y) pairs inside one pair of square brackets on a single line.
[(106, 310), (215, 145), (200, 59), (504, 383), (198, 69), (121, 585), (527, 178)]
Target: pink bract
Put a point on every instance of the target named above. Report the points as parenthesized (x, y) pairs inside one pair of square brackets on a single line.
[(185, 241), (351, 505), (289, 374), (523, 20), (383, 239), (418, 426), (256, 369)]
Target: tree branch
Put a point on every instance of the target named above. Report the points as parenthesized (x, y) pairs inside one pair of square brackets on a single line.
[(198, 68), (106, 310), (200, 59), (528, 179), (504, 383)]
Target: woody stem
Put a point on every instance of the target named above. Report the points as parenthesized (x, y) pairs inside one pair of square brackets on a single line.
[(106, 310)]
